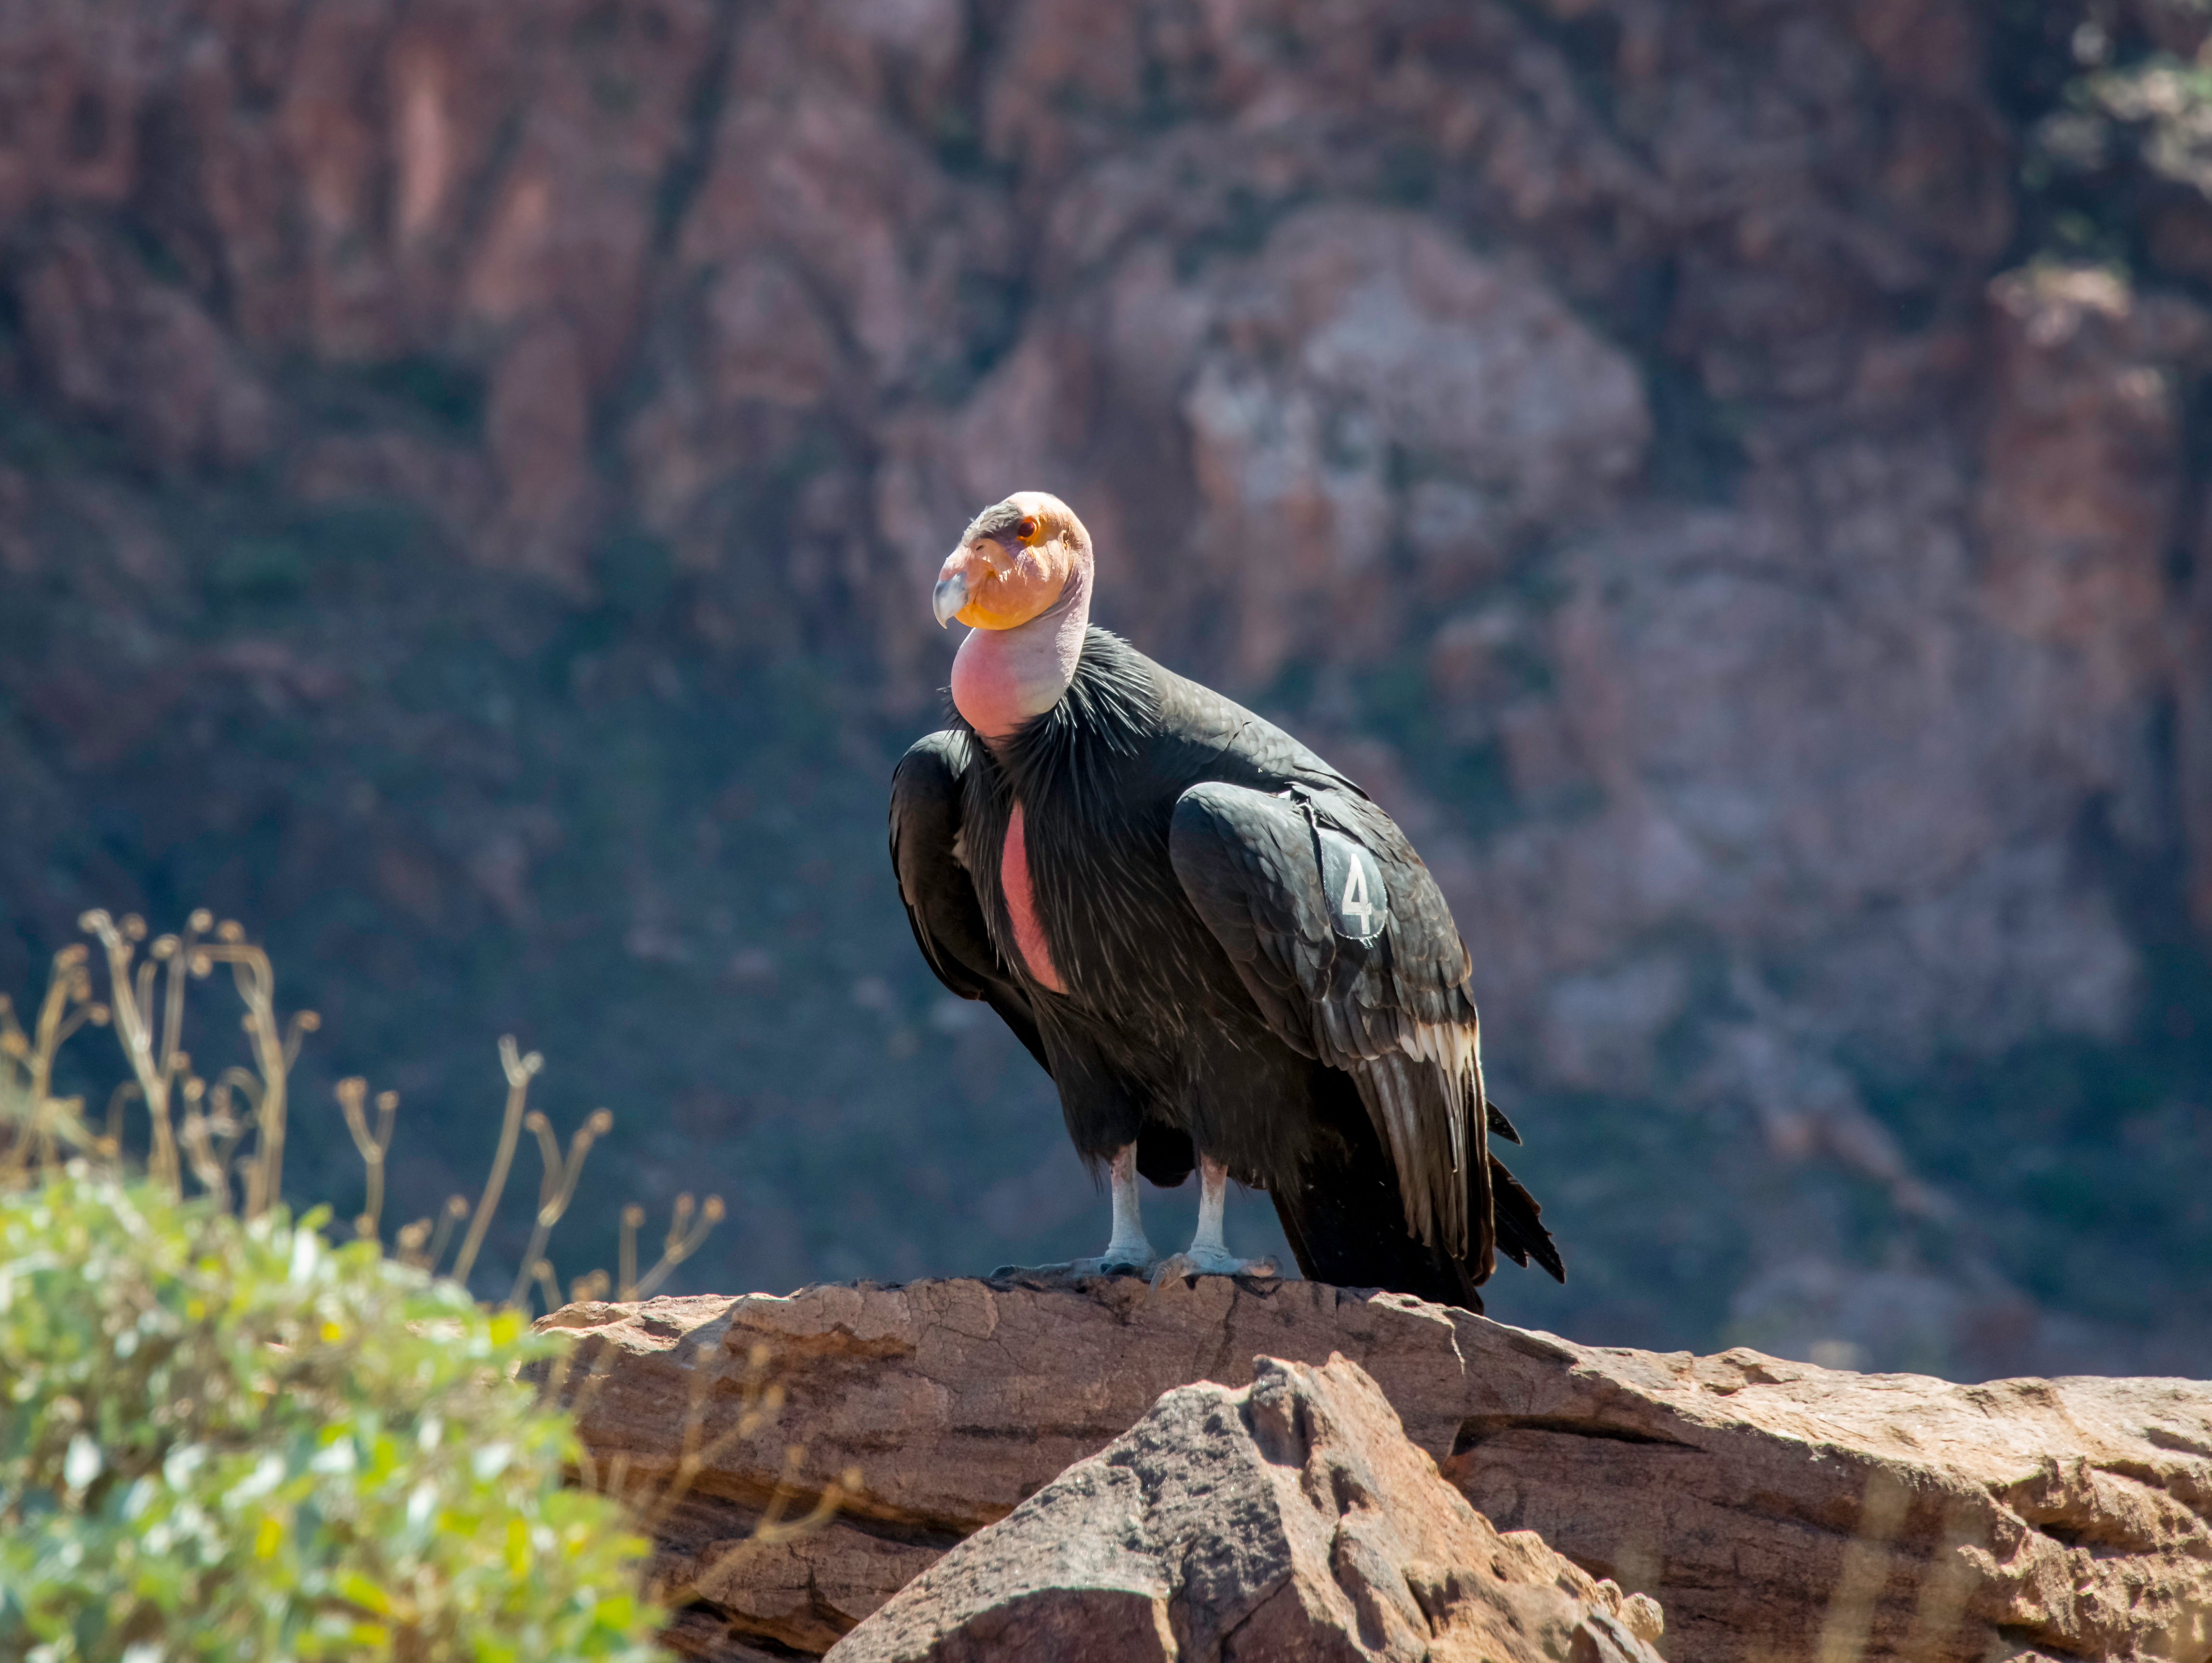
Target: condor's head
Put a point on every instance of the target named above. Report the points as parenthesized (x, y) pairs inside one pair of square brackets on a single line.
[(1016, 562)]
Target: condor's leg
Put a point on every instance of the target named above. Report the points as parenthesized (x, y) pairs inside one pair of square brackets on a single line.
[(1208, 1254), (1128, 1253)]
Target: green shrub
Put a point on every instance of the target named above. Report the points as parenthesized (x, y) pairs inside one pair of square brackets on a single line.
[(233, 1439)]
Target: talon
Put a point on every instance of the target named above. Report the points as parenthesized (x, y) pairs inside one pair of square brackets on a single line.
[(1127, 1253), (1216, 1264), (1207, 1256), (1175, 1264), (1111, 1264)]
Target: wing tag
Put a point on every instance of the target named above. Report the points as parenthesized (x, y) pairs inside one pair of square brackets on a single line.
[(1358, 909)]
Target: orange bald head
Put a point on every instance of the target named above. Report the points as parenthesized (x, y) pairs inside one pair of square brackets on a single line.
[(1014, 562)]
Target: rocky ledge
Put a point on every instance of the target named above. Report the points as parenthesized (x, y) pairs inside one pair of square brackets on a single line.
[(1287, 1521), (1774, 1510)]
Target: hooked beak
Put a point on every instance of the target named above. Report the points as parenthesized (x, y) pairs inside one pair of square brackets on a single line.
[(951, 595)]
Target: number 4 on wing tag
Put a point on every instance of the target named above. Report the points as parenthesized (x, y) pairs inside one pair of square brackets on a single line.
[(1358, 909), (1355, 906)]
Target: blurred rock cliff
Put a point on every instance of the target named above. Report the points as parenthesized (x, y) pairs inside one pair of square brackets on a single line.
[(1729, 475)]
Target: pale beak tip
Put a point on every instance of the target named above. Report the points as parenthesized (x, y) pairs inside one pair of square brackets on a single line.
[(949, 596)]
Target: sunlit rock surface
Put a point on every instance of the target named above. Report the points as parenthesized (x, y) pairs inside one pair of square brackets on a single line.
[(1288, 1521), (1773, 1510)]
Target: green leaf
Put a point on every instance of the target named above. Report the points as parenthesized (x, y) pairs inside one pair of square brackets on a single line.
[(187, 1452)]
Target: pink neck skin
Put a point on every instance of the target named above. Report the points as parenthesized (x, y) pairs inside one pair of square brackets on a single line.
[(1001, 678), (1021, 906)]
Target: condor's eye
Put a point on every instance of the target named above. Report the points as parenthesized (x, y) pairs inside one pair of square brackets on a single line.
[(1027, 531)]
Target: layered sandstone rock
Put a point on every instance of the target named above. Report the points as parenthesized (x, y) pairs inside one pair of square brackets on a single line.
[(1775, 1511), (1291, 1520)]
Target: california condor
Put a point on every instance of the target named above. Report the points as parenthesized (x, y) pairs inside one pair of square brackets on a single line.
[(1224, 954)]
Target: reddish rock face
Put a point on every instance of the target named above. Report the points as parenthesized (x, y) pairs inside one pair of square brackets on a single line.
[(1774, 1510), (1636, 391), (1287, 1521)]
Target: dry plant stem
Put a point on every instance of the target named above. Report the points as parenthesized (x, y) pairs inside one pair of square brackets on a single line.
[(67, 1006), (211, 1139), (555, 1390), (455, 1208), (409, 1239), (518, 1071), (152, 1055), (826, 1504), (688, 1464), (759, 1403), (602, 1362), (766, 1533), (200, 1152), (352, 1094), (14, 1058), (151, 1047), (685, 1235), (274, 1050), (232, 1129), (770, 1528), (593, 1383), (555, 1190), (153, 1042), (235, 1079), (587, 1470), (116, 1100), (56, 1021), (149, 1016), (626, 1263), (760, 1406), (779, 1497)]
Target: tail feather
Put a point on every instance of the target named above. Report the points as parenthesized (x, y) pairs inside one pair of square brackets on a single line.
[(1346, 1225), (1521, 1233), (1345, 1219)]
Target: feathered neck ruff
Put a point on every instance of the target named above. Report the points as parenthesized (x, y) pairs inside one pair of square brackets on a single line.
[(1110, 705)]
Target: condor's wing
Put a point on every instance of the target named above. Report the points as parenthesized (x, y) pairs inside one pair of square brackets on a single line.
[(1343, 940), (940, 900)]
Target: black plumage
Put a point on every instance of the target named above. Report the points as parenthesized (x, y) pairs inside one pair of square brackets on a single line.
[(1257, 966)]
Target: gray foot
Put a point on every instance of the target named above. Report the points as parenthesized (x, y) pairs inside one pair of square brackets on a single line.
[(1075, 1269), (1210, 1262)]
